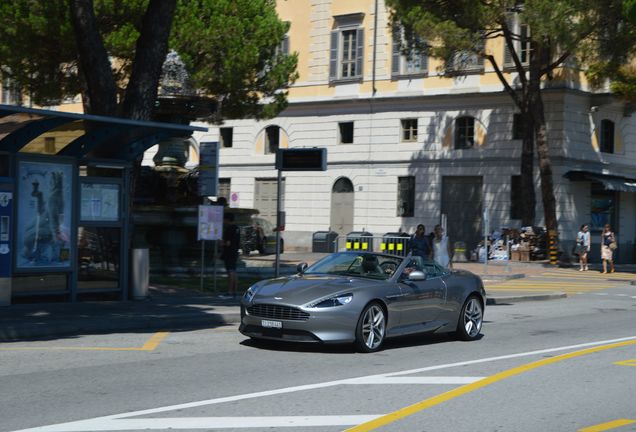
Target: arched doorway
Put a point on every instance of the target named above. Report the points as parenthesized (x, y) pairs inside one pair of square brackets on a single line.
[(342, 206)]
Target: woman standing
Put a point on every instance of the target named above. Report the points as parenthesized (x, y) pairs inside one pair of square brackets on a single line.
[(583, 246), (441, 248), (608, 244)]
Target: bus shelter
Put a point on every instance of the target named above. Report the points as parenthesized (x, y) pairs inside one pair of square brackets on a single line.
[(65, 200)]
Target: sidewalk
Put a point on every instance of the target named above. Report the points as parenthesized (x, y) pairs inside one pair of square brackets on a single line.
[(175, 308)]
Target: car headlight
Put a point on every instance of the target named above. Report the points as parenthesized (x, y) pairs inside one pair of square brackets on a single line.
[(249, 294), (339, 300)]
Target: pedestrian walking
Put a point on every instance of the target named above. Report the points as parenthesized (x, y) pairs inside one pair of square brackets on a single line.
[(441, 248), (229, 254), (608, 246), (583, 246), (420, 243)]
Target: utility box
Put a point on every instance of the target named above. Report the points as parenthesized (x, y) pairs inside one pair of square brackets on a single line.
[(359, 241), (324, 241)]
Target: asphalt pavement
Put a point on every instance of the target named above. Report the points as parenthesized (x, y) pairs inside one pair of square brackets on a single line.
[(174, 307)]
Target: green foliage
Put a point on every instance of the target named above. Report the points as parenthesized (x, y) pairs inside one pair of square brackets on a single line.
[(36, 48), (588, 31), (229, 47)]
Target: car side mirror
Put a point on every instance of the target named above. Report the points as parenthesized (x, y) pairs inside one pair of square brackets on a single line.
[(417, 275), (300, 268)]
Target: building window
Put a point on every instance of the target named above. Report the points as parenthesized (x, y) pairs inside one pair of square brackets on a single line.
[(464, 132), (607, 136), (406, 196), (225, 185), (272, 139), (409, 130), (346, 132), (516, 199), (411, 62), (346, 54), (518, 126), (521, 42), (470, 61), (227, 135)]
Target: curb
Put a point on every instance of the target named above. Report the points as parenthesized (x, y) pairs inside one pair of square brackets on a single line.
[(500, 278), (506, 300)]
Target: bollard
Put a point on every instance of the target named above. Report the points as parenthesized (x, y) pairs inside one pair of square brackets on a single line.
[(552, 247)]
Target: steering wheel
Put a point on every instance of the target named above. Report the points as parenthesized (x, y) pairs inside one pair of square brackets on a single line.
[(388, 267)]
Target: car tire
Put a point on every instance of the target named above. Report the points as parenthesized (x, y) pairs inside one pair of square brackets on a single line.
[(470, 319), (371, 328)]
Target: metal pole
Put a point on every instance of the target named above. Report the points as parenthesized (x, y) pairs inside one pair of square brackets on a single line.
[(486, 241), (202, 262), (215, 245), (278, 222)]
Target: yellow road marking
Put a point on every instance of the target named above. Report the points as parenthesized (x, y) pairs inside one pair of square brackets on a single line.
[(588, 275), (150, 345), (631, 362), (460, 391), (608, 426)]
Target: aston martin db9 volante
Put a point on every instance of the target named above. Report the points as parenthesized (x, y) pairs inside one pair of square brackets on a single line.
[(364, 298)]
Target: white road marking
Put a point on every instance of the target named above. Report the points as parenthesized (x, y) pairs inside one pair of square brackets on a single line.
[(210, 423), (81, 425), (415, 380)]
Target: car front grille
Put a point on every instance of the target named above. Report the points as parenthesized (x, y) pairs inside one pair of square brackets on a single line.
[(279, 312)]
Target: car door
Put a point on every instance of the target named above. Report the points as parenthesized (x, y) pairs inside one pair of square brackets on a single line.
[(421, 301)]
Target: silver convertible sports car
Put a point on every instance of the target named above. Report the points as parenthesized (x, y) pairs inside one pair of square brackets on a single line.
[(364, 298)]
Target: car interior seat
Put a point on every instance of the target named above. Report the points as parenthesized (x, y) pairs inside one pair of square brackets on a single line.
[(371, 265)]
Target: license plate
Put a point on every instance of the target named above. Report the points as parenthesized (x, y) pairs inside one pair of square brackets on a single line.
[(272, 324)]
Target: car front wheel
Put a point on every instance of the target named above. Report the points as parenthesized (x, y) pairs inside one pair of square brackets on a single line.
[(371, 328), (470, 319)]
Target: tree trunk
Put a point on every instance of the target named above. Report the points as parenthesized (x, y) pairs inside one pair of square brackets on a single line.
[(545, 165), (100, 95), (150, 54), (528, 196)]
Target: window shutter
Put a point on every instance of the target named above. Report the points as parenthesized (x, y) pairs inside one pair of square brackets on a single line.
[(424, 61), (286, 45), (507, 55), (480, 58), (395, 54), (333, 56), (359, 51)]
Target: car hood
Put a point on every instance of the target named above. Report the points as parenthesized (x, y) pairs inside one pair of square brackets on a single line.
[(298, 291)]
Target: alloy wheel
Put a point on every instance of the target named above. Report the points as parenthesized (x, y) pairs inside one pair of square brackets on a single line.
[(373, 327), (473, 317)]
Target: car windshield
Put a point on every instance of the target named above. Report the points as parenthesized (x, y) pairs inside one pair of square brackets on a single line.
[(367, 265)]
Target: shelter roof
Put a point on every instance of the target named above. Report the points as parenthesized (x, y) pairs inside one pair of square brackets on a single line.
[(40, 131)]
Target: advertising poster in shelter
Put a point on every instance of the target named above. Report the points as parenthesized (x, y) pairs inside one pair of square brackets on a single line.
[(44, 215)]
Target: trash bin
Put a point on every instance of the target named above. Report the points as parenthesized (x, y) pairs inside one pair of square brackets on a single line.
[(140, 273), (395, 243), (359, 240), (324, 241)]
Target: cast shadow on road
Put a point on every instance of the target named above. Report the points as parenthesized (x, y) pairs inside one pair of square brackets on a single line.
[(59, 321), (389, 344)]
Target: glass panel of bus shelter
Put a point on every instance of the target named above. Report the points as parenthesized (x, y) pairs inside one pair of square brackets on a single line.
[(98, 252)]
